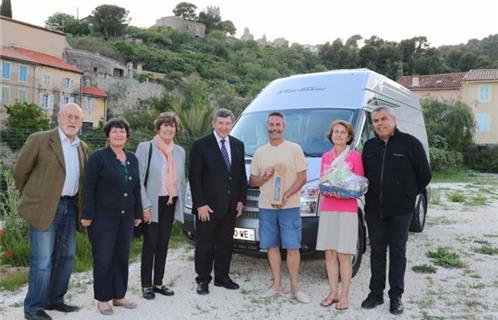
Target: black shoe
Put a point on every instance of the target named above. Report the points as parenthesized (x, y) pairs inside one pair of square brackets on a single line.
[(62, 307), (165, 291), (396, 306), (227, 283), (148, 293), (37, 315), (372, 301), (203, 288)]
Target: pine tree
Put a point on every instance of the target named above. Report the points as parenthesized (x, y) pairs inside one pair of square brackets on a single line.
[(6, 9)]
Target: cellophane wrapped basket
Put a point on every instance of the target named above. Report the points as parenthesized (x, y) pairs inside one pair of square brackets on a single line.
[(340, 180)]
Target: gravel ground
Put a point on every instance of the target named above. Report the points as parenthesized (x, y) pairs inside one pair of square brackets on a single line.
[(469, 292)]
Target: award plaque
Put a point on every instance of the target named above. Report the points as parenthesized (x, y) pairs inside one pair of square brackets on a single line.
[(278, 185)]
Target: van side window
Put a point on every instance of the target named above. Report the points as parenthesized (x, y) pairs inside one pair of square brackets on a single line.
[(367, 132)]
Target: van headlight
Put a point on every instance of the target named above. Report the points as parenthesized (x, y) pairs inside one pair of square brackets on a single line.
[(309, 200), (188, 197)]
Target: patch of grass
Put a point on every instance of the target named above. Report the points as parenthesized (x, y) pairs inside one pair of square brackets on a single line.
[(476, 201), (454, 175), (475, 304), (478, 285), (436, 197), (456, 196), (491, 235), (424, 268), (12, 281), (177, 238), (487, 250), (445, 258), (440, 220), (480, 241)]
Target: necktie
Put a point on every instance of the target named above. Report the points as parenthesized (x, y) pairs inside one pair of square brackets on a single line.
[(224, 152)]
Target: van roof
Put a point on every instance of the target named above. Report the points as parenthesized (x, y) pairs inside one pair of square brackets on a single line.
[(348, 88)]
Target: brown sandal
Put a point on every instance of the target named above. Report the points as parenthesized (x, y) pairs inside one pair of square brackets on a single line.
[(328, 301), (341, 306)]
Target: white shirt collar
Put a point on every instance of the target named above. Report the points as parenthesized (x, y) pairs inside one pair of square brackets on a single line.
[(65, 139), (218, 138)]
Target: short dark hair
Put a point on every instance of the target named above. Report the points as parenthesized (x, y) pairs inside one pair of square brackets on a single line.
[(345, 124), (117, 123), (168, 118), (275, 114), (223, 113)]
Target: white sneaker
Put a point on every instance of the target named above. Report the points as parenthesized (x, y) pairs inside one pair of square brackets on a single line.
[(301, 296), (270, 293)]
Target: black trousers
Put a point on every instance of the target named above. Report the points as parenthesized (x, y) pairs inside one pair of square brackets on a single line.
[(110, 236), (389, 232), (155, 245), (213, 246)]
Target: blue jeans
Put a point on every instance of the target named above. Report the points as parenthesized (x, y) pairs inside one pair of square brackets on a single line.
[(53, 253)]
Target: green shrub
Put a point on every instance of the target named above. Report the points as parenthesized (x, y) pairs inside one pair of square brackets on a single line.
[(445, 159), (482, 158), (23, 119)]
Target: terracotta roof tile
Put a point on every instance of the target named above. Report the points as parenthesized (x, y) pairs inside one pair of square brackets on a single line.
[(37, 58), (433, 81), (481, 74), (93, 91)]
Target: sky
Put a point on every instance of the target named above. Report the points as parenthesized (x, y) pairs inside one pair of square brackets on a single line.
[(443, 22)]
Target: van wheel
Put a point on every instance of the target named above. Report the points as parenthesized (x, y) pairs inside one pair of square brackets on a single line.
[(360, 247), (418, 219)]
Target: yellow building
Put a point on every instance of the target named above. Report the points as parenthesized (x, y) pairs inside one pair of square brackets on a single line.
[(480, 92), (33, 70), (477, 88), (35, 77), (94, 105)]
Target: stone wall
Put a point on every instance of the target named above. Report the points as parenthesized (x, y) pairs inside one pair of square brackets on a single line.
[(178, 23), (124, 92)]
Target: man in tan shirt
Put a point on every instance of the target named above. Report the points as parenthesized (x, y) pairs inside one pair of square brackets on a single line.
[(280, 224)]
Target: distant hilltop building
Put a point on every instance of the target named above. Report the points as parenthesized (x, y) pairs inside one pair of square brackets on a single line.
[(178, 23), (247, 35)]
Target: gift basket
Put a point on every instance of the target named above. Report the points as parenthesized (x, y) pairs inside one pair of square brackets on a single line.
[(338, 180)]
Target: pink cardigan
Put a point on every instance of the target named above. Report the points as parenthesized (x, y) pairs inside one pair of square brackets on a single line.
[(336, 204)]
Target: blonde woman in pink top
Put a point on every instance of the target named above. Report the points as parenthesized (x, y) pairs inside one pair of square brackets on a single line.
[(338, 225)]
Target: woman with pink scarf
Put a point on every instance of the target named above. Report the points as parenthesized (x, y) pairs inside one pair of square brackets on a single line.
[(162, 177)]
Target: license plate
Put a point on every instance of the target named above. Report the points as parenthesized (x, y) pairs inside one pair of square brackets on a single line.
[(244, 234)]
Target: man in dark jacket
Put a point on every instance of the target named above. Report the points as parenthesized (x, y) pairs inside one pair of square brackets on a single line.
[(219, 185), (397, 168)]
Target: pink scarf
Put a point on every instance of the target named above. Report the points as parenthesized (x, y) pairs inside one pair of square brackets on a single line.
[(167, 151)]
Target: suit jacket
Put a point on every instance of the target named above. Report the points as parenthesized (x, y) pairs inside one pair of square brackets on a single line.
[(39, 175), (150, 194), (106, 191), (211, 182)]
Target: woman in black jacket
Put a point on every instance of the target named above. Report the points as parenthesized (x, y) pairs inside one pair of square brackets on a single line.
[(111, 207)]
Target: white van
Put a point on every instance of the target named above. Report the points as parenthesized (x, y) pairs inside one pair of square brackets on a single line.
[(309, 103)]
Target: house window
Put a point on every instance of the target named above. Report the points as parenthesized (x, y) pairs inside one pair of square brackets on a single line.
[(118, 72), (485, 93), (22, 96), (90, 104), (5, 70), (66, 82), (46, 80), (23, 73), (6, 95), (46, 100), (483, 122)]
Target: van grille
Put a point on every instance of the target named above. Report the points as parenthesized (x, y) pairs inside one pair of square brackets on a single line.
[(251, 208)]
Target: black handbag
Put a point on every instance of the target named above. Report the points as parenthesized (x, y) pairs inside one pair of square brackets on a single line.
[(139, 230)]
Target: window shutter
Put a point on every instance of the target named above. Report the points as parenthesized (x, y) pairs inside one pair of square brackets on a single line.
[(51, 101), (40, 99)]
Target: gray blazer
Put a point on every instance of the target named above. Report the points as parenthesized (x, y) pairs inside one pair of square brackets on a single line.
[(150, 195)]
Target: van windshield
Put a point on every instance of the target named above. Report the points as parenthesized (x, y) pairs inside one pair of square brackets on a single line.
[(306, 127)]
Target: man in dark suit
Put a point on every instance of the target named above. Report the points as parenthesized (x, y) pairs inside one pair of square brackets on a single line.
[(49, 175), (219, 185)]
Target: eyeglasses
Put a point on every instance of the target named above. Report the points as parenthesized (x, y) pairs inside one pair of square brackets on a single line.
[(71, 117)]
